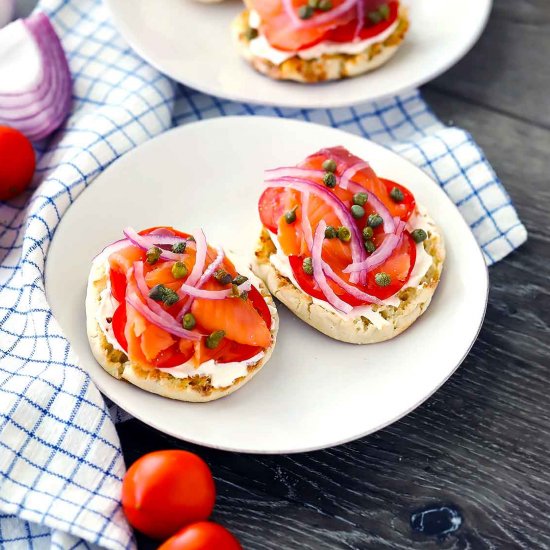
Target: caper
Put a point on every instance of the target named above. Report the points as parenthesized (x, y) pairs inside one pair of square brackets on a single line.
[(357, 211), (313, 3), (330, 232), (189, 321), (213, 341), (170, 297), (367, 233), (374, 220), (360, 199), (251, 33), (384, 11), (370, 247), (374, 16), (396, 194), (153, 255), (329, 165), (157, 293), (222, 276), (290, 216), (239, 280), (382, 279), (329, 179), (344, 234), (179, 270), (244, 295), (307, 266), (325, 5), (179, 248), (305, 12), (419, 235)]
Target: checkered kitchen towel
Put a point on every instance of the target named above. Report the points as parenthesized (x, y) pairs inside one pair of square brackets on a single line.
[(60, 459)]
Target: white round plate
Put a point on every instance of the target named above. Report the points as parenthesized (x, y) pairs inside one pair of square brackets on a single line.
[(191, 42), (315, 392)]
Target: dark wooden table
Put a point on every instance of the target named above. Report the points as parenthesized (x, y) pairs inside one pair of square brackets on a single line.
[(481, 444)]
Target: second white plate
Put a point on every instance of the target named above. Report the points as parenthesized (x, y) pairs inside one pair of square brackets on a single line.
[(314, 392), (191, 42)]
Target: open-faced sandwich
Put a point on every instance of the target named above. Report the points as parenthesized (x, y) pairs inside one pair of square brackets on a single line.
[(348, 252), (172, 315), (318, 40)]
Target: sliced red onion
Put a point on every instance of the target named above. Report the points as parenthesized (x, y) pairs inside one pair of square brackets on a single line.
[(350, 172), (318, 273), (113, 247), (350, 289), (381, 254), (145, 242), (162, 232), (293, 172), (360, 18), (35, 81), (317, 20), (200, 258), (171, 327), (304, 186), (212, 294)]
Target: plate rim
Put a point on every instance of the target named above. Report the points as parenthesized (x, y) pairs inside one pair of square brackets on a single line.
[(270, 119), (397, 90)]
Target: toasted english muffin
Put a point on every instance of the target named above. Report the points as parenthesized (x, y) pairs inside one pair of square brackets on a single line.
[(413, 300), (197, 388), (327, 67)]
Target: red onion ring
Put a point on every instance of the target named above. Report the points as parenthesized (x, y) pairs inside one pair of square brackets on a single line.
[(381, 254), (360, 18), (200, 258), (378, 205), (110, 248), (293, 172), (172, 328), (317, 20), (145, 242), (41, 109), (357, 251), (318, 273), (350, 172), (350, 289)]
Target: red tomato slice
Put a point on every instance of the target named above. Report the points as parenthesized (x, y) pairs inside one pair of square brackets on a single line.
[(118, 285), (346, 33), (172, 357), (272, 205), (403, 209), (119, 323), (260, 305)]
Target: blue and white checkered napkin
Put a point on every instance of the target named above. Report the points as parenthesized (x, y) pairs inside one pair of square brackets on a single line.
[(60, 458)]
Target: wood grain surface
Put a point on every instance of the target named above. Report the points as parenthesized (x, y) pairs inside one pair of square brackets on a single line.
[(481, 445)]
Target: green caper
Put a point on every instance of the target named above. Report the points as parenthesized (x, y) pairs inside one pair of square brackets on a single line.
[(375, 220), (330, 232), (382, 279), (329, 179), (360, 199), (235, 293), (384, 11), (313, 3), (179, 248), (213, 341), (251, 33), (307, 266), (367, 233), (305, 12), (290, 216), (179, 270), (157, 293), (239, 280), (344, 234), (244, 295), (153, 255), (375, 16), (370, 247), (189, 321), (397, 195), (419, 235), (329, 165), (222, 276), (191, 239), (325, 5), (170, 297), (357, 211)]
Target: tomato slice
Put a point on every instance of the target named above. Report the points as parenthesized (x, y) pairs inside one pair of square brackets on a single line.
[(118, 323), (403, 209), (118, 284), (272, 205), (346, 33), (260, 305), (172, 357)]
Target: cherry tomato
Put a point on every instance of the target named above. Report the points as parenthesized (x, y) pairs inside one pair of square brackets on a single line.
[(203, 535), (17, 162), (165, 490)]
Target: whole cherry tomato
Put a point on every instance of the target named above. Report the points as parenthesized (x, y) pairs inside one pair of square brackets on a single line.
[(17, 162), (203, 535), (165, 490)]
